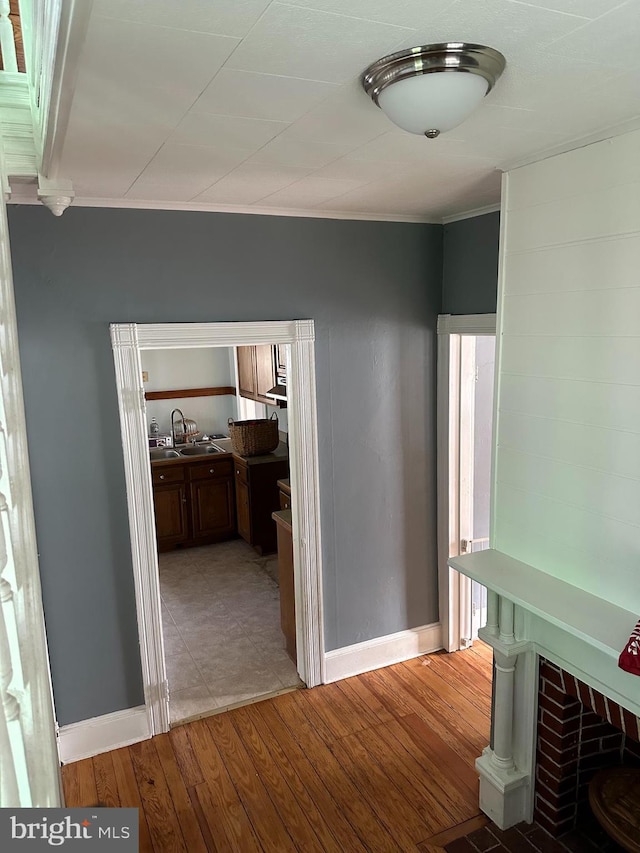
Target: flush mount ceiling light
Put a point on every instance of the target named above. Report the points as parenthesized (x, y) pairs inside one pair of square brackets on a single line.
[(422, 90)]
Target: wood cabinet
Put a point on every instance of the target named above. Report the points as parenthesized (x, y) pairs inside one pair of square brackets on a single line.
[(211, 500), (257, 497), (194, 503), (256, 372), (170, 507), (286, 581)]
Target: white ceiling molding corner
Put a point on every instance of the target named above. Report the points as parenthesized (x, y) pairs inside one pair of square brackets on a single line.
[(470, 214)]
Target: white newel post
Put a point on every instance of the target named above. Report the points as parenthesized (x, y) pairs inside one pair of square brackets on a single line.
[(29, 765), (505, 787)]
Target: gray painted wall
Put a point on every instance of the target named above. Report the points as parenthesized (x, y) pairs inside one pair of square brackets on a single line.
[(470, 265), (373, 290)]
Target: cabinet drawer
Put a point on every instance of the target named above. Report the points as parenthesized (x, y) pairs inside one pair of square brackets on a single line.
[(242, 475), (210, 469), (167, 474), (285, 500)]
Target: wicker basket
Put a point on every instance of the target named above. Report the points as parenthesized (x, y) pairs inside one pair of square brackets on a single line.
[(253, 438)]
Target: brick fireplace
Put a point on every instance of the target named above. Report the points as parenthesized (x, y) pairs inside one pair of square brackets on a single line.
[(580, 731)]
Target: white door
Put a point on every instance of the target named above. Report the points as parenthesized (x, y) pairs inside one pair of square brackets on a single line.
[(466, 370)]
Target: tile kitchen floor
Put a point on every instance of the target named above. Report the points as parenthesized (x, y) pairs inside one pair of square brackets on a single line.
[(221, 627)]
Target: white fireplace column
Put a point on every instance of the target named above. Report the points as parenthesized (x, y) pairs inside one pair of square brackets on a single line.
[(506, 770)]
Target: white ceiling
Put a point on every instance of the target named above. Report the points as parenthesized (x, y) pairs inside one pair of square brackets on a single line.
[(257, 104)]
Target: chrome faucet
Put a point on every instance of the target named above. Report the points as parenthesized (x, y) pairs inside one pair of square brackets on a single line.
[(173, 427)]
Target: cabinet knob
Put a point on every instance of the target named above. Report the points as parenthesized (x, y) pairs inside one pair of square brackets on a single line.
[(238, 471), (162, 476), (212, 470)]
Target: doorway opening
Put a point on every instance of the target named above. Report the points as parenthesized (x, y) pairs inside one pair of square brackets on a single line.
[(466, 369), (226, 606), (197, 562)]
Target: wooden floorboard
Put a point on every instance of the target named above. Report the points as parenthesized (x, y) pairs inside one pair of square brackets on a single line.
[(381, 762)]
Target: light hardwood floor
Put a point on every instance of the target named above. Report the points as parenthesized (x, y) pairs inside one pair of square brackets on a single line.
[(379, 762)]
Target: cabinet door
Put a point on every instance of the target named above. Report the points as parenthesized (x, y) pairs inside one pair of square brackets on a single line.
[(170, 508), (212, 508), (247, 372), (243, 510), (265, 373)]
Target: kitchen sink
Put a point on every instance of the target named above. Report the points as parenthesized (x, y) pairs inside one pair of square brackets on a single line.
[(163, 453), (196, 450)]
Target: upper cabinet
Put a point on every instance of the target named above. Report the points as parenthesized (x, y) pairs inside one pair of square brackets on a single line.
[(257, 372)]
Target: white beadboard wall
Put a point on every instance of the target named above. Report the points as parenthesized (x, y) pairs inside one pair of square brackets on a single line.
[(567, 464)]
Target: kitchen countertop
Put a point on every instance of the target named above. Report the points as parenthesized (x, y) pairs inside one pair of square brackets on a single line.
[(281, 452), (283, 518)]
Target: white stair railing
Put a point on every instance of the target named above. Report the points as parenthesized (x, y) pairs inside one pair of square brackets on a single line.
[(7, 38), (29, 765)]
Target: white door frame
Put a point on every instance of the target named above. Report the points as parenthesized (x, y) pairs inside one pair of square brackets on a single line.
[(128, 341), (448, 455)]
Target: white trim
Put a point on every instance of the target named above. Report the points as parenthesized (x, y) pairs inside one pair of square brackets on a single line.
[(65, 37), (212, 207), (26, 679), (102, 734), (128, 340), (381, 651), (466, 324), (471, 214)]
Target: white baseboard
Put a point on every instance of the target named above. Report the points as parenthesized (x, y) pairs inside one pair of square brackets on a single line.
[(101, 734), (382, 651)]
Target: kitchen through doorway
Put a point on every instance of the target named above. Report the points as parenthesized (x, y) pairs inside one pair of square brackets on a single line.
[(204, 536), (221, 602)]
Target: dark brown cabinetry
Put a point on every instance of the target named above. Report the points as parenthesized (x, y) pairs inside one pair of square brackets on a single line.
[(256, 372), (211, 500), (286, 581), (170, 506), (194, 503), (257, 498)]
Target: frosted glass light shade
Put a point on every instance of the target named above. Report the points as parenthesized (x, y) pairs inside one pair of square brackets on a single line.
[(432, 88), (431, 102)]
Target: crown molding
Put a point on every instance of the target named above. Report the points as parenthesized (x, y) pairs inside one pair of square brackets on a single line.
[(135, 204), (470, 214)]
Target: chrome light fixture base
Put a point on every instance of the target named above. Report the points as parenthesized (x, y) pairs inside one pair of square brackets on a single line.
[(433, 59)]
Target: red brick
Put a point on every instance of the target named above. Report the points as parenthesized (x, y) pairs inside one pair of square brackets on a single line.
[(584, 695), (571, 685), (602, 759), (615, 713), (631, 725), (561, 712), (612, 741), (554, 828), (600, 704), (555, 784), (556, 740), (556, 695), (483, 840), (554, 799), (562, 727), (559, 756), (597, 731), (552, 673), (557, 815), (632, 747), (557, 770)]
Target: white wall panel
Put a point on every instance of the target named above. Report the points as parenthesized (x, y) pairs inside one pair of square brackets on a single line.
[(585, 170), (587, 216), (567, 466), (610, 406), (597, 265), (592, 312), (601, 359), (580, 487), (579, 444)]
